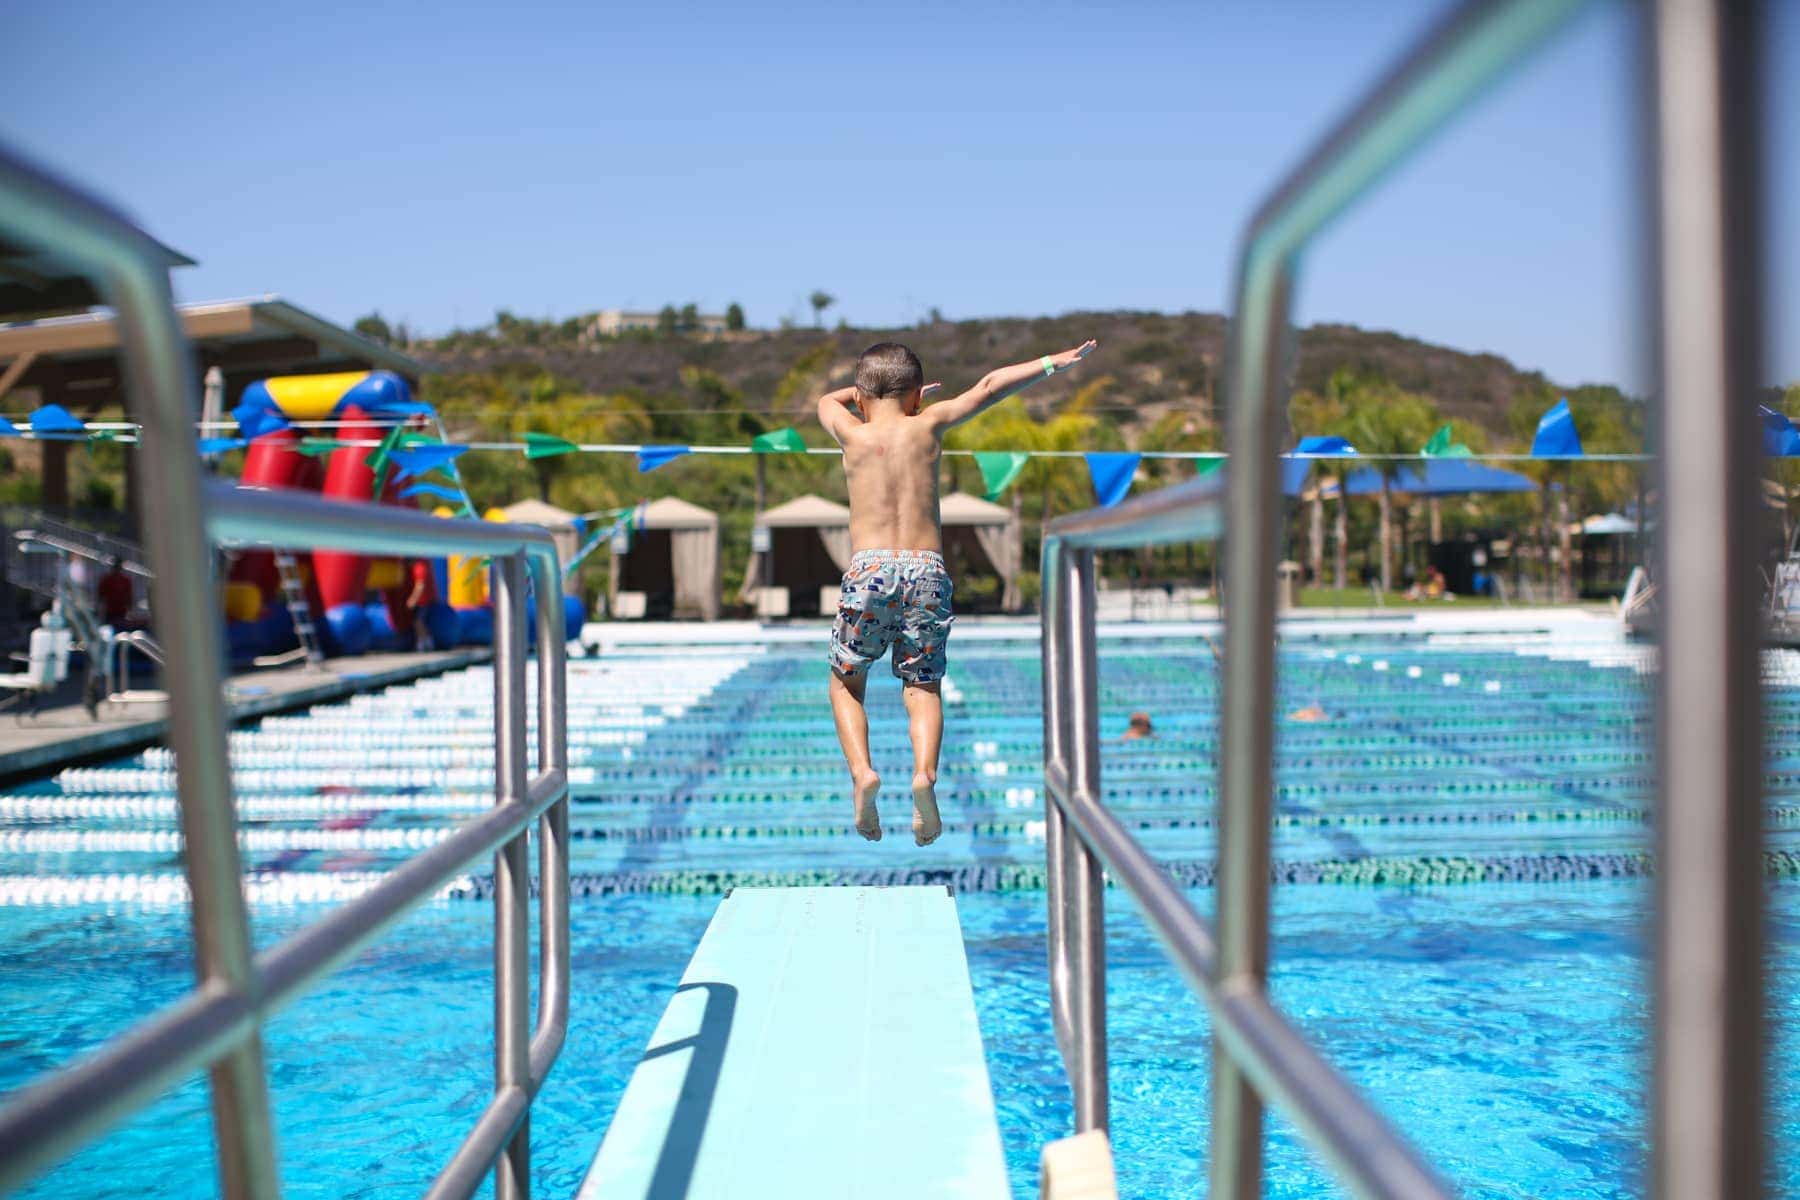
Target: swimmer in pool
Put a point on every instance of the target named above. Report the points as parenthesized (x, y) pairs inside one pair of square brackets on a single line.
[(897, 593)]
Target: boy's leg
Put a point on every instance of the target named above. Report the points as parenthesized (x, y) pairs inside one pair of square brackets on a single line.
[(853, 735), (925, 719)]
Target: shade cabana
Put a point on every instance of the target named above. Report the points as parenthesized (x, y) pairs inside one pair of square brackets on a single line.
[(1440, 477), (672, 566), (986, 537), (797, 550), (564, 526)]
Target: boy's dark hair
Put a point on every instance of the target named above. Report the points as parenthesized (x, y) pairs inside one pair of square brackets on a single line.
[(888, 369)]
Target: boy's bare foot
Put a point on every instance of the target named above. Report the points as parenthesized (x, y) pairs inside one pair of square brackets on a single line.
[(926, 823), (868, 819)]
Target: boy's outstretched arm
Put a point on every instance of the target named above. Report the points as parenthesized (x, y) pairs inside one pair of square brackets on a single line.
[(997, 385)]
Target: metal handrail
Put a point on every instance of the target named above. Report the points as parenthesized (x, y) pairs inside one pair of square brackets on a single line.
[(218, 1025), (1708, 1102)]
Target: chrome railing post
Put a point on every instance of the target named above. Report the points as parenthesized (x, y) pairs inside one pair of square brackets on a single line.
[(1084, 885), (553, 827), (512, 874), (1056, 761), (162, 388), (1707, 1114)]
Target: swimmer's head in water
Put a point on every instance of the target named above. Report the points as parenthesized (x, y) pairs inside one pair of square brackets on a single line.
[(1140, 723), (890, 371)]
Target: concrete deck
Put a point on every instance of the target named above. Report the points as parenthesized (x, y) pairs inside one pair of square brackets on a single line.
[(64, 734)]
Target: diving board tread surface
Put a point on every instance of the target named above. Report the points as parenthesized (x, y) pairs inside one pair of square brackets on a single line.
[(822, 1043)]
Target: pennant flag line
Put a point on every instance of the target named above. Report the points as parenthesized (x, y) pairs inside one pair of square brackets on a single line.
[(1322, 445), (315, 447), (778, 441), (546, 445), (1556, 433), (1111, 473), (219, 445), (651, 457), (999, 468), (1440, 446)]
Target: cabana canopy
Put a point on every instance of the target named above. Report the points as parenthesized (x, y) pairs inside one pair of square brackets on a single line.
[(984, 533), (808, 541), (673, 560), (563, 525), (1441, 477)]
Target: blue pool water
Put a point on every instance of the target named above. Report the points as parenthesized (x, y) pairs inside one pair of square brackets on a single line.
[(1492, 1003)]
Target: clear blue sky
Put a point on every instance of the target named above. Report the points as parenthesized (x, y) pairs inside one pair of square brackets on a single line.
[(439, 161)]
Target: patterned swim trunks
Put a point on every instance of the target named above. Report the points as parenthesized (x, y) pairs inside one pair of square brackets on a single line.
[(898, 599)]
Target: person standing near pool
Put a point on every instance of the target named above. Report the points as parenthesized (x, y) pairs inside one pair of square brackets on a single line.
[(897, 593)]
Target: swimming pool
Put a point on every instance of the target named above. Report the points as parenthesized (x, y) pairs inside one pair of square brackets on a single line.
[(1487, 992)]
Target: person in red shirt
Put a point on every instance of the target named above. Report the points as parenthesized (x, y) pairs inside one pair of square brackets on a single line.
[(423, 594), (115, 595)]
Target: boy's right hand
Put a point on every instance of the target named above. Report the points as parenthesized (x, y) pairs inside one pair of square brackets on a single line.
[(1068, 358)]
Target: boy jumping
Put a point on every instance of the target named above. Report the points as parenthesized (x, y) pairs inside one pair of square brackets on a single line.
[(897, 592)]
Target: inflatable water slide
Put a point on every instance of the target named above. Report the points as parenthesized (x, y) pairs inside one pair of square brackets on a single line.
[(296, 428)]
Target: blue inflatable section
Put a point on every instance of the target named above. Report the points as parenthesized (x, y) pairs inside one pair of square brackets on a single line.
[(346, 629)]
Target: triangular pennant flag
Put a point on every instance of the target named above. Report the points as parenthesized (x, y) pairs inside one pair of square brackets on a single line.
[(219, 445), (651, 457), (1325, 445), (1440, 446), (1780, 438), (377, 458), (8, 429), (54, 420), (778, 441), (431, 489), (1111, 472), (422, 458), (1206, 466), (315, 447), (546, 445), (1556, 433), (254, 420), (999, 468)]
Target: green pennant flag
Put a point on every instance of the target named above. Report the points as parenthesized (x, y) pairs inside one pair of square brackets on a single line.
[(317, 447), (998, 470), (1206, 466), (103, 435), (778, 441), (1440, 446), (378, 457), (546, 445)]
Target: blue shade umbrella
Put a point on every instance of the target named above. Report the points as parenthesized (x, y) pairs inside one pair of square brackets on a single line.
[(1324, 445), (1293, 474), (651, 457), (55, 420), (1556, 433), (1780, 438), (1441, 477), (1111, 472)]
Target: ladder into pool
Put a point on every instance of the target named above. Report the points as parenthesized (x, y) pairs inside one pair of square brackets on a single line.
[(1702, 73)]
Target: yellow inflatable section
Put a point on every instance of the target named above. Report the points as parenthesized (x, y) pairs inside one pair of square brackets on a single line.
[(468, 574), (311, 397)]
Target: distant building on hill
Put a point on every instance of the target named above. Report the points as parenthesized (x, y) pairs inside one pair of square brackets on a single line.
[(613, 321)]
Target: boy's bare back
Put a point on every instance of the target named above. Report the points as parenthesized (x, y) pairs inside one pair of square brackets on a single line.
[(891, 469)]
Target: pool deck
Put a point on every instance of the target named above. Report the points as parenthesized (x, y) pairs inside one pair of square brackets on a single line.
[(63, 734)]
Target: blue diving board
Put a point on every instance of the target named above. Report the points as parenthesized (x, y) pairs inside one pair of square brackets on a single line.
[(822, 1042)]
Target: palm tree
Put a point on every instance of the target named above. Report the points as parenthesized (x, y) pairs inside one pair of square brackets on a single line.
[(1389, 424), (820, 301)]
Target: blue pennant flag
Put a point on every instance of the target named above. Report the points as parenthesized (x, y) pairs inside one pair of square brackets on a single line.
[(1780, 438), (1111, 472), (219, 445), (431, 489), (1324, 445), (652, 457), (417, 460), (8, 429), (55, 420), (1556, 433), (254, 420)]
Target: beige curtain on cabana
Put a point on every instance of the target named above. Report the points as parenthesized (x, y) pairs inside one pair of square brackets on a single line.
[(997, 533), (808, 537), (696, 556)]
